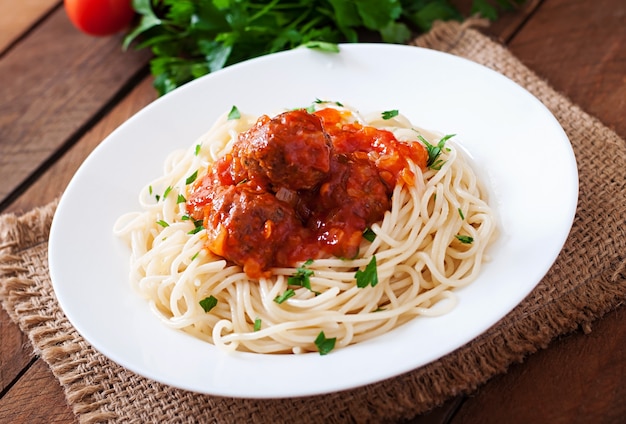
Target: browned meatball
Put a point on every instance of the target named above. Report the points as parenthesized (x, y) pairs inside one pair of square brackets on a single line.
[(356, 189), (248, 227), (353, 197), (291, 150)]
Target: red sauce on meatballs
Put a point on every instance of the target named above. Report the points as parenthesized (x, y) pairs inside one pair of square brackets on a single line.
[(299, 186)]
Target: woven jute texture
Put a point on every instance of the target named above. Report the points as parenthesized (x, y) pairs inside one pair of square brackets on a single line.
[(587, 280)]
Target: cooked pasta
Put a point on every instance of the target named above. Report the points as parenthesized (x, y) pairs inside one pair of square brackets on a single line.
[(432, 239)]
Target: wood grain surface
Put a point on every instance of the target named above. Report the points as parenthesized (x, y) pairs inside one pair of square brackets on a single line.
[(63, 92)]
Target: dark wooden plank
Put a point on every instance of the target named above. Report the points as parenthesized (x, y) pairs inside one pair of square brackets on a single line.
[(592, 73), (60, 80), (36, 398), (15, 352), (579, 379), (52, 183), (17, 17)]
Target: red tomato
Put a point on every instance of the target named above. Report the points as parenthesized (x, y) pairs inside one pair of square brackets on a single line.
[(100, 17)]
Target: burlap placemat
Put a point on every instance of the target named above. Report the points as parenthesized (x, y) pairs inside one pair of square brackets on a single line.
[(587, 280)]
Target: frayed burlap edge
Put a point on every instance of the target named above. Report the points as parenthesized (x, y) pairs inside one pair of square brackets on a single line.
[(587, 280)]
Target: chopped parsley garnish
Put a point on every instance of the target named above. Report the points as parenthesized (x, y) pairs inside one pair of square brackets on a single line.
[(181, 199), (198, 225), (195, 255), (208, 303), (196, 230), (465, 239), (302, 276), (197, 151), (388, 114), (167, 191), (190, 179), (368, 276), (369, 235), (286, 295), (234, 113), (461, 214), (320, 101), (324, 345), (162, 223), (434, 151), (257, 324), (185, 218)]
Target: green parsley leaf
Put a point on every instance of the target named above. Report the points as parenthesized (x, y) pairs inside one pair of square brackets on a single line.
[(196, 230), (208, 303), (324, 345), (257, 324), (483, 8), (369, 235), (195, 255), (286, 295), (434, 151), (181, 199), (388, 114), (162, 223), (197, 150), (464, 239), (320, 102), (190, 179), (461, 214), (302, 276), (424, 14), (368, 276), (234, 113), (167, 191)]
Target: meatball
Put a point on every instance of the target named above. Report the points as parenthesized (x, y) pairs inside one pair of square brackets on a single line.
[(291, 150), (351, 199), (248, 227), (356, 188)]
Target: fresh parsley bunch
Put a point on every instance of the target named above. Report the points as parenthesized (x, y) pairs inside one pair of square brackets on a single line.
[(191, 38)]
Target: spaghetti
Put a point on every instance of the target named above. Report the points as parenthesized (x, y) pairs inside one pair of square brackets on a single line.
[(430, 239)]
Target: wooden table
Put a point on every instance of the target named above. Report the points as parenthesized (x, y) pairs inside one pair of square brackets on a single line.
[(62, 92)]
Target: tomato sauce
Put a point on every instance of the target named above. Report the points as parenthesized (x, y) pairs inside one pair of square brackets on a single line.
[(300, 186)]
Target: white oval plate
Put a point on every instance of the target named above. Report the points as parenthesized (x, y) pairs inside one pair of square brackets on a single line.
[(517, 144)]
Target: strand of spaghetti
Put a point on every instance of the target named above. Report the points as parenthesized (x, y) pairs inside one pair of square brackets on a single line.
[(320, 320)]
